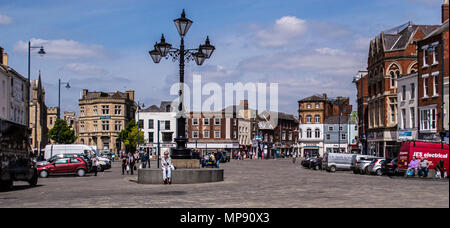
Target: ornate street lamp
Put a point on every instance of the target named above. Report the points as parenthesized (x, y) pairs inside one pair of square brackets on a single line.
[(199, 55)]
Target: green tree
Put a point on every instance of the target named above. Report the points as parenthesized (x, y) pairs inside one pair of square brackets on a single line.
[(61, 133), (130, 135)]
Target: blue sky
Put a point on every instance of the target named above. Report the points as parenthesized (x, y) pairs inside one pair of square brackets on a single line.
[(307, 46)]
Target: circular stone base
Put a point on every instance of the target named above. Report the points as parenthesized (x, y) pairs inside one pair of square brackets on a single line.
[(181, 176)]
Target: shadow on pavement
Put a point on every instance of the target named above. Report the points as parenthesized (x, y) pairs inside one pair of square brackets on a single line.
[(20, 188)]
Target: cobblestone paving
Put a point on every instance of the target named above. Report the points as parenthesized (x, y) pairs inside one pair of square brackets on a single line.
[(249, 183)]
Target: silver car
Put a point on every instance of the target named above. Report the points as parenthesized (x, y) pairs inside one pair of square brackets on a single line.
[(360, 162), (375, 167)]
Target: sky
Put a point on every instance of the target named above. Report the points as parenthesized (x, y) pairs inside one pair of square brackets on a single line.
[(307, 46)]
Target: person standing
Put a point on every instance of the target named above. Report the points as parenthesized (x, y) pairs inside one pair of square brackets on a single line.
[(95, 164), (166, 166), (440, 170), (146, 160), (218, 157), (131, 162), (124, 163)]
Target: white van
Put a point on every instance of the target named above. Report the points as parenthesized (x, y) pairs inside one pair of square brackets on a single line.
[(336, 161), (52, 150)]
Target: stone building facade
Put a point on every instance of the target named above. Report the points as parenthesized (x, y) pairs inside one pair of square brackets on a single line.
[(38, 116), (102, 115)]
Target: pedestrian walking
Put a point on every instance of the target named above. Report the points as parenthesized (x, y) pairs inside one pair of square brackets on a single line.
[(95, 164), (167, 166), (218, 156), (124, 163)]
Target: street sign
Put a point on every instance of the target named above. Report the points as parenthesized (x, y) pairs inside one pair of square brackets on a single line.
[(406, 135)]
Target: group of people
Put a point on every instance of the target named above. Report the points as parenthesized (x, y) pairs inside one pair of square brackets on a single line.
[(421, 168), (131, 160), (213, 158)]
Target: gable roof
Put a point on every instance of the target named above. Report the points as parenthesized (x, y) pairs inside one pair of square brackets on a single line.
[(396, 39), (438, 31)]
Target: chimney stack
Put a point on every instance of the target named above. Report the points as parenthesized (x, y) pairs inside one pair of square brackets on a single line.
[(1, 55), (85, 92), (445, 11)]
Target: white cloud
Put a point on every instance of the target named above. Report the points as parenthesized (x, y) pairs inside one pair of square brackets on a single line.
[(282, 32), (85, 69), (330, 51), (64, 49), (5, 20)]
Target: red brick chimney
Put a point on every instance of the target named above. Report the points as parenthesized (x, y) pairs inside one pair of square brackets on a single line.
[(445, 11)]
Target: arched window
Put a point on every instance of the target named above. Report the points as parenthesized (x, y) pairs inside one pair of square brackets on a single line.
[(317, 133), (309, 133), (308, 119), (300, 132), (317, 119), (392, 79), (394, 73)]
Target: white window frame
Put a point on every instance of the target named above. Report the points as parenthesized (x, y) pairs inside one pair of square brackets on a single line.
[(217, 123), (105, 109), (206, 134), (195, 121), (195, 134), (217, 134), (425, 87), (206, 120)]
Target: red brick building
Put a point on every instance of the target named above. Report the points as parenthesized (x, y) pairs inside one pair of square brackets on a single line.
[(361, 83), (208, 131), (433, 80), (391, 54)]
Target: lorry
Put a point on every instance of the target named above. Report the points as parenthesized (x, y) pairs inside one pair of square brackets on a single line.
[(16, 162), (431, 151), (52, 150)]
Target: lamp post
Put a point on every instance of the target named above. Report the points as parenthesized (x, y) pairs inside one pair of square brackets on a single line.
[(59, 95), (42, 53), (163, 49), (138, 123), (59, 103)]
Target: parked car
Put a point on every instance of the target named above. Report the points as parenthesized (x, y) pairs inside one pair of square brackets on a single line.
[(306, 163), (64, 166), (336, 161), (315, 163), (375, 167), (362, 165), (390, 167), (360, 162), (51, 150), (55, 157), (433, 152)]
